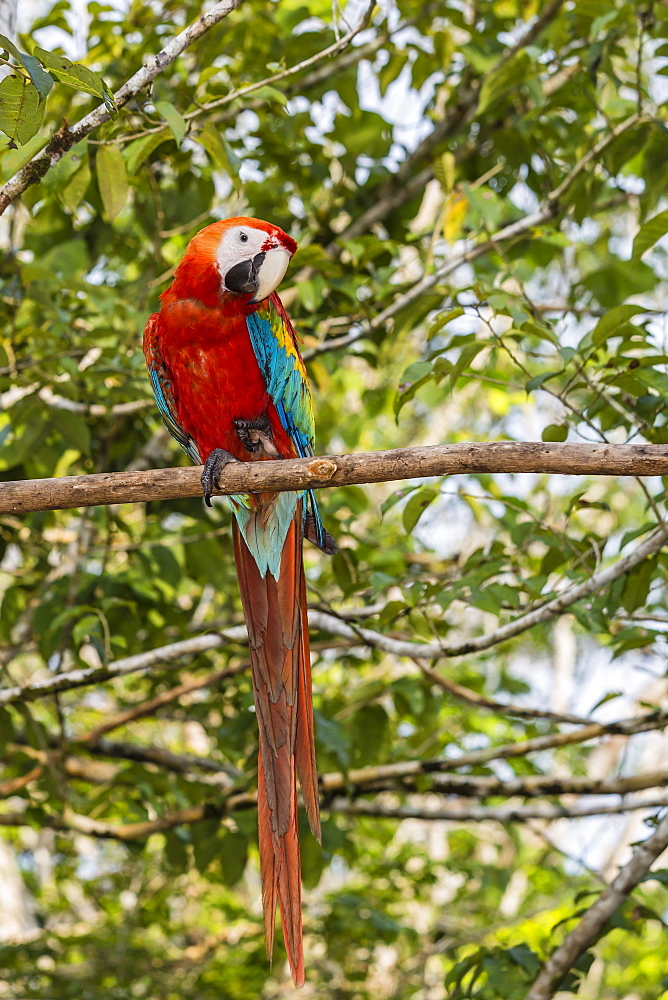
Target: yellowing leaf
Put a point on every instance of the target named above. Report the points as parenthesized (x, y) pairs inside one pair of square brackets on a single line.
[(444, 171), (112, 180), (454, 215)]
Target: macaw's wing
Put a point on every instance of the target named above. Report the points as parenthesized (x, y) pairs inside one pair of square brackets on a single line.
[(162, 387), (275, 346)]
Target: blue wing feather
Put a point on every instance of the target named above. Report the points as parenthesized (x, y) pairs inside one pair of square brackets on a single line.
[(275, 346), (162, 389)]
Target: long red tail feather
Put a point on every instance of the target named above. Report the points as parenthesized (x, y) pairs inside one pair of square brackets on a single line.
[(275, 612)]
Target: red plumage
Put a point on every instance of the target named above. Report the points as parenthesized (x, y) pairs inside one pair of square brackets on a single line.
[(200, 345)]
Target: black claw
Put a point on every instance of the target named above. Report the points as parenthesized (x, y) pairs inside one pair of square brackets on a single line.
[(250, 441), (213, 467)]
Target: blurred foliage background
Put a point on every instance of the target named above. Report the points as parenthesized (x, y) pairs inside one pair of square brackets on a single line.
[(478, 193)]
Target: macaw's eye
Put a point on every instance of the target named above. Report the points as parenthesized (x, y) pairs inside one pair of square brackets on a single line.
[(243, 237)]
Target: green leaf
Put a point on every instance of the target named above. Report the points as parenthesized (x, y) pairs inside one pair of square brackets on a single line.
[(537, 381), (112, 180), (174, 119), (555, 432), (42, 81), (71, 74), (8, 45), (507, 77), (136, 152), (73, 192), (219, 150), (417, 505), (21, 110), (268, 93), (637, 584), (612, 321), (650, 232), (233, 855)]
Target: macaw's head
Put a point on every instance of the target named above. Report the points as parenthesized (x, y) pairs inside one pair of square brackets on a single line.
[(242, 257)]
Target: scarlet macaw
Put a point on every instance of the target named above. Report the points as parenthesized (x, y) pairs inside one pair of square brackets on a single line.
[(231, 385)]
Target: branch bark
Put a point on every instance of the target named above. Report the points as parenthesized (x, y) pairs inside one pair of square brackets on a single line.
[(588, 929), (497, 814), (130, 664), (337, 470), (65, 138)]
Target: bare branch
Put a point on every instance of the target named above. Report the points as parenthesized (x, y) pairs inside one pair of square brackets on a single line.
[(337, 782), (65, 137), (589, 927), (474, 698), (527, 786), (337, 470), (497, 814), (130, 664)]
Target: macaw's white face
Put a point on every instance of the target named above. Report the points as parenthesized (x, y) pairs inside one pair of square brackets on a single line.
[(251, 262)]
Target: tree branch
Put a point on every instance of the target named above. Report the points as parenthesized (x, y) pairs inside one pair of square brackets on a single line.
[(310, 80), (172, 653), (589, 927), (151, 705), (65, 137), (337, 470), (336, 781), (497, 814), (126, 832), (544, 612), (129, 664), (481, 701)]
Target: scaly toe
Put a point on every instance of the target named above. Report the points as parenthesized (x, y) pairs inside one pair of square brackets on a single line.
[(213, 467)]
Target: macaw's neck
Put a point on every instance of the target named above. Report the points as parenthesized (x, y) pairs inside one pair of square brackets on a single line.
[(197, 278)]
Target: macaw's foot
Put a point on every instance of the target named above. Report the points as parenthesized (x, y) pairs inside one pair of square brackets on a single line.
[(255, 435), (327, 543), (213, 467)]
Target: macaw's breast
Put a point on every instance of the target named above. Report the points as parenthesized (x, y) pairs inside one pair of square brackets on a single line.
[(215, 377)]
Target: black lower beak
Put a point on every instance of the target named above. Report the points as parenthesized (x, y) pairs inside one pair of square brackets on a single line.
[(242, 278)]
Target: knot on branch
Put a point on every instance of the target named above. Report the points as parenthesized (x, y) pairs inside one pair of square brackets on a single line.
[(322, 468)]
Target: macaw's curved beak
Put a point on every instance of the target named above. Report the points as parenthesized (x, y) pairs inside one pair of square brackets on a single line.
[(259, 276), (243, 277)]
